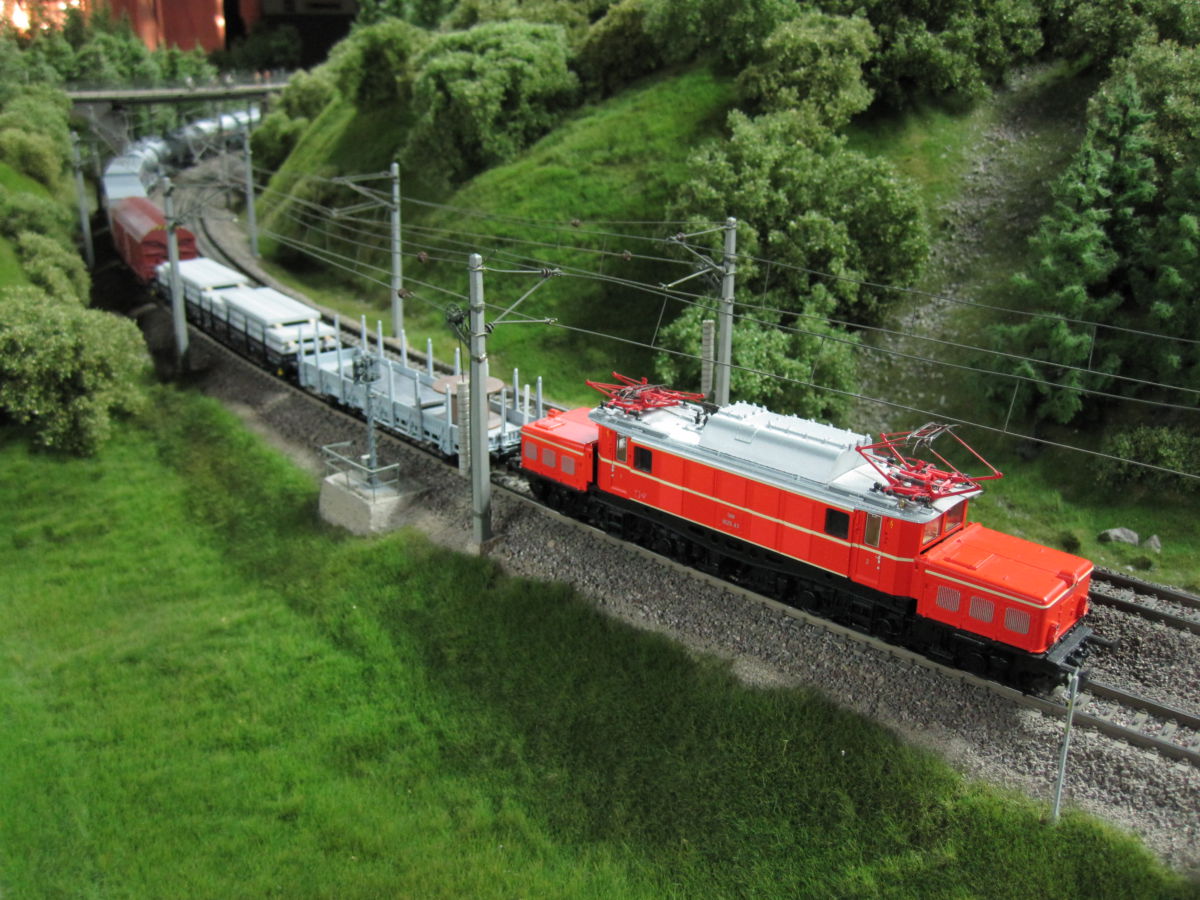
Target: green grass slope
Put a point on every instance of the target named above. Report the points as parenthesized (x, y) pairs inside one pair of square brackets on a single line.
[(609, 166), (207, 694)]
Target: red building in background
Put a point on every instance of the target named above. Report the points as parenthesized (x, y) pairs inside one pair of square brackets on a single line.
[(209, 24), (186, 23)]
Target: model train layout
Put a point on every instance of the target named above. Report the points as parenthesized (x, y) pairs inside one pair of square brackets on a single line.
[(871, 534)]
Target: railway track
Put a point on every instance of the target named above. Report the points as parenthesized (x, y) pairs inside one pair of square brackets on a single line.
[(1105, 708), (1170, 606)]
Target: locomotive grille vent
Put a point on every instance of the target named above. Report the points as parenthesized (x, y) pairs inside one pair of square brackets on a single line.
[(948, 598)]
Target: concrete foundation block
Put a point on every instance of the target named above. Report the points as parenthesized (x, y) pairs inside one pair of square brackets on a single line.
[(352, 504)]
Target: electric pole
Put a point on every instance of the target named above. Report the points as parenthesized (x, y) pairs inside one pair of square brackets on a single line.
[(397, 263), (178, 316), (481, 485), (85, 221), (725, 336)]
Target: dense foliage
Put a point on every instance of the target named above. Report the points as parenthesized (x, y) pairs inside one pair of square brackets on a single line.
[(484, 94), (814, 61), (836, 228), (65, 370), (1114, 266)]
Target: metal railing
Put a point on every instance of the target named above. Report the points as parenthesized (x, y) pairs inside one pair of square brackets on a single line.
[(357, 474)]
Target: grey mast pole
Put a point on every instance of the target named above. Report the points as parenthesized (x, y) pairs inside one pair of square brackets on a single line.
[(85, 222), (725, 337), (251, 216), (397, 263), (177, 313), (481, 485)]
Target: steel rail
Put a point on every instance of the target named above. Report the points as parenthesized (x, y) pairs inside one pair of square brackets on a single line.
[(1178, 750), (1186, 622)]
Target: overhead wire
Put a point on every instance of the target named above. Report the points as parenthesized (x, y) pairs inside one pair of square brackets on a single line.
[(891, 403)]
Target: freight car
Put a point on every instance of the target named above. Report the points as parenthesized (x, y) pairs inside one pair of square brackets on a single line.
[(139, 233), (862, 532)]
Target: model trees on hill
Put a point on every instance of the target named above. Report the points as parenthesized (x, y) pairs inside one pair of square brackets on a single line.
[(483, 95), (1118, 249), (836, 226)]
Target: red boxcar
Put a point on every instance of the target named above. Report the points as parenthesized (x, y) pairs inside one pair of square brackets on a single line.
[(139, 233)]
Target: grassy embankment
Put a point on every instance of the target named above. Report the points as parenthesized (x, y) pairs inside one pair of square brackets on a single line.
[(608, 165), (10, 265), (209, 695)]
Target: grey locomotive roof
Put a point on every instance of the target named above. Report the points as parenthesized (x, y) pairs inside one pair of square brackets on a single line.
[(786, 451)]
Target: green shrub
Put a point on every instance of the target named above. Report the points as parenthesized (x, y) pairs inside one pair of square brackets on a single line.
[(732, 29), (815, 60), (66, 371), (1166, 447), (54, 267), (307, 93), (33, 154), (617, 50), (484, 95), (275, 137), (25, 211), (374, 64)]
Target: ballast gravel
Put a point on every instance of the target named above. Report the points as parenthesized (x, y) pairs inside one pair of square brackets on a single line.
[(982, 735)]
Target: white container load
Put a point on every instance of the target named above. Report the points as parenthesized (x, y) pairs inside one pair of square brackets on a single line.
[(201, 280), (267, 325)]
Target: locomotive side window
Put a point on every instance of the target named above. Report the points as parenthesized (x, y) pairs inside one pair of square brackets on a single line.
[(948, 598), (1017, 621), (530, 451), (930, 531), (982, 609), (955, 515), (642, 459), (871, 532), (568, 465), (548, 458), (837, 523), (622, 448)]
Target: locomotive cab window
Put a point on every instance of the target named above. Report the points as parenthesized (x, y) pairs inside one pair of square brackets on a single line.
[(837, 523), (642, 459), (622, 448), (530, 451), (955, 515)]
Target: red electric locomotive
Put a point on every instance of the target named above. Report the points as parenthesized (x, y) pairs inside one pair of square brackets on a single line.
[(859, 531)]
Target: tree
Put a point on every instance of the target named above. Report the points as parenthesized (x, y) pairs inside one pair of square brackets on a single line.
[(952, 48), (816, 60), (375, 65), (837, 227), (1088, 256), (485, 94), (732, 29)]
